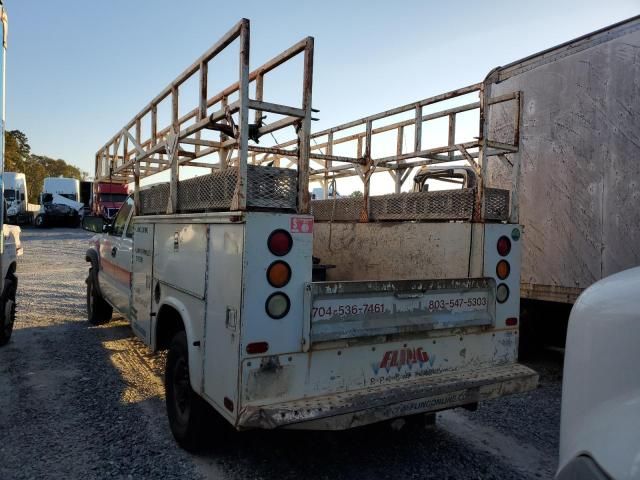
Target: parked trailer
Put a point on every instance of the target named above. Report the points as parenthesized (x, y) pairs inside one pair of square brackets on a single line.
[(218, 269), (578, 179), (574, 178), (86, 196)]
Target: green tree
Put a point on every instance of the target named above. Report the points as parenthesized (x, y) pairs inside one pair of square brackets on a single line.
[(17, 151), (356, 194), (18, 158)]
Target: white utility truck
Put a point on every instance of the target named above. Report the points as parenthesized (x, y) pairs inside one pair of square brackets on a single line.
[(19, 210), (10, 237), (59, 203), (218, 268)]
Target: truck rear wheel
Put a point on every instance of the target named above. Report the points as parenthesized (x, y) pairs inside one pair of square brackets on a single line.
[(98, 310), (188, 413), (8, 309), (39, 221)]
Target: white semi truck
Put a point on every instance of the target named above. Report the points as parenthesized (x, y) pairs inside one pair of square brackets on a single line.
[(218, 269), (19, 210), (10, 238)]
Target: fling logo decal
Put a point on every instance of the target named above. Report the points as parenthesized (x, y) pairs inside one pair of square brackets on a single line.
[(404, 357)]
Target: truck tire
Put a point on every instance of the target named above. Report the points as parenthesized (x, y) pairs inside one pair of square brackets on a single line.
[(39, 221), (8, 309), (189, 415), (98, 310)]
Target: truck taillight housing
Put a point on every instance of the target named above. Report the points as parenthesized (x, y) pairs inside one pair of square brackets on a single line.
[(257, 347), (278, 274), (504, 246), (503, 269), (502, 293), (280, 242), (277, 305)]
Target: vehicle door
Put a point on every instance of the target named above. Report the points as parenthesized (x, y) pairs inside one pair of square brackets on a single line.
[(115, 259)]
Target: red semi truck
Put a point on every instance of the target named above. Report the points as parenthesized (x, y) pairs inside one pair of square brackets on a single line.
[(108, 198)]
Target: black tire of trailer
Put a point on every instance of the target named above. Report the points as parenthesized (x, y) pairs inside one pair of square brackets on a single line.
[(40, 221), (190, 417), (8, 309), (98, 309)]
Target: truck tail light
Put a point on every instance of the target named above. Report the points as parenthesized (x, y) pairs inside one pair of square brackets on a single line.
[(504, 246), (279, 274), (280, 242), (257, 347), (277, 305), (503, 269), (502, 293), (512, 321)]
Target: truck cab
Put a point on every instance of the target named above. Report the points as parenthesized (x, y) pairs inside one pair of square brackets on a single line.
[(108, 198)]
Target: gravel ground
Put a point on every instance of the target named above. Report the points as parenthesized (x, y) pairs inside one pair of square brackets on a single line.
[(87, 402)]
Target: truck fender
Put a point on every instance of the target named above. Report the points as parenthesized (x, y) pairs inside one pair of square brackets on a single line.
[(92, 257), (193, 341)]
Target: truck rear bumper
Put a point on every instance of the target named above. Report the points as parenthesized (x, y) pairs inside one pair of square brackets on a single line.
[(370, 405)]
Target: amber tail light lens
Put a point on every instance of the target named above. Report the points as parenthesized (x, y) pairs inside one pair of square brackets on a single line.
[(503, 269), (278, 274)]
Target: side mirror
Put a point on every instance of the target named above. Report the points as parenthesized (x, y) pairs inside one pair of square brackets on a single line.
[(94, 224)]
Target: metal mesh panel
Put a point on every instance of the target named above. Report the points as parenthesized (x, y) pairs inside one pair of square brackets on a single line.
[(496, 204), (154, 200), (445, 205), (267, 187), (271, 187), (338, 209), (207, 192)]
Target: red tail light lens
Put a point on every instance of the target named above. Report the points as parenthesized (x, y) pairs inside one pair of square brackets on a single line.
[(280, 242), (504, 246), (512, 322), (257, 347), (279, 274)]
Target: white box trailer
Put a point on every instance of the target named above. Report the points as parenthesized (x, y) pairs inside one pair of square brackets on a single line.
[(577, 187), (218, 269)]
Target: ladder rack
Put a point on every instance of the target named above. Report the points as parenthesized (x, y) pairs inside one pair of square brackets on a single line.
[(359, 135), (131, 154)]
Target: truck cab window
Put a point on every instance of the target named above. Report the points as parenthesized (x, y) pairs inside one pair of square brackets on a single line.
[(129, 233), (121, 218)]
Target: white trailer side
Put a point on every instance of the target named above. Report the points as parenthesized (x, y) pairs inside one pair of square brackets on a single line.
[(578, 169)]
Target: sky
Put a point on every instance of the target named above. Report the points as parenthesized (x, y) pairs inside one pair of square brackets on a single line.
[(78, 70)]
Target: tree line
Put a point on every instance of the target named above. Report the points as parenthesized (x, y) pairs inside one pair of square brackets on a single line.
[(18, 158)]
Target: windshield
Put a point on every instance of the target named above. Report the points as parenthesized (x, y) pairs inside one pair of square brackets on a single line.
[(70, 196), (113, 197), (9, 194)]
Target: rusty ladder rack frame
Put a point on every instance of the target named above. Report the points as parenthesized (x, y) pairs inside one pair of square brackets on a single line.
[(399, 166), (148, 156)]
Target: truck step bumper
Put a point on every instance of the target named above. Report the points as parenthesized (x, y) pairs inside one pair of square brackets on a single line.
[(370, 405)]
